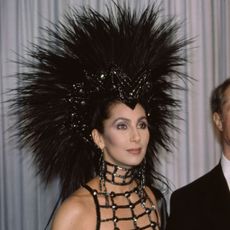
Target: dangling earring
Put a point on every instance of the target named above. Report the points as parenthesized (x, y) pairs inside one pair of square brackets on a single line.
[(102, 172), (141, 175)]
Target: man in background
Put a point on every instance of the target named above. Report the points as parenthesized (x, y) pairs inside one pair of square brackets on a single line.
[(205, 203)]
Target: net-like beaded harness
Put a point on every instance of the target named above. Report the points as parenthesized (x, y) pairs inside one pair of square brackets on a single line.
[(130, 210)]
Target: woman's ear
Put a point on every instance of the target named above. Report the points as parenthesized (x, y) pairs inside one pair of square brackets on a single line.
[(217, 119), (97, 138)]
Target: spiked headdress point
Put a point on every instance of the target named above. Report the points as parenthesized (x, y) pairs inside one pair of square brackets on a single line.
[(126, 55)]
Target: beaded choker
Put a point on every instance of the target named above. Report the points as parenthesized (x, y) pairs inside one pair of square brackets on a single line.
[(118, 175)]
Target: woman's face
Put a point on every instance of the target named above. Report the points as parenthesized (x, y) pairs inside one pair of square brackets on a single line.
[(125, 137)]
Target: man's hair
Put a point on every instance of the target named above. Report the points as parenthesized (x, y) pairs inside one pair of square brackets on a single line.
[(217, 97)]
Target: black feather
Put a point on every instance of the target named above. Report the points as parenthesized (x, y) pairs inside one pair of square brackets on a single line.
[(124, 54)]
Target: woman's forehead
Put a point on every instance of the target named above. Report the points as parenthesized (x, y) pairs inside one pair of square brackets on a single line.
[(122, 110)]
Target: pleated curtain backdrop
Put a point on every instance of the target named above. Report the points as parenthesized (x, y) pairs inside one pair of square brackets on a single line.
[(25, 203)]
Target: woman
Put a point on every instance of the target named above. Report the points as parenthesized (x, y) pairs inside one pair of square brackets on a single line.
[(96, 106), (121, 202)]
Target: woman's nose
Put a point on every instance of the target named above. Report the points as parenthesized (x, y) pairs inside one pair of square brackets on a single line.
[(135, 135)]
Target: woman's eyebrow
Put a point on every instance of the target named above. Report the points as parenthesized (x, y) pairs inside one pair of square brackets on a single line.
[(128, 120)]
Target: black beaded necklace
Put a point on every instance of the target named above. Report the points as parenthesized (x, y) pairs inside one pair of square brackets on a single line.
[(127, 210), (117, 175)]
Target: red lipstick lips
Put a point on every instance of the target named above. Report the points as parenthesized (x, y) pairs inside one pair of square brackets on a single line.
[(135, 151)]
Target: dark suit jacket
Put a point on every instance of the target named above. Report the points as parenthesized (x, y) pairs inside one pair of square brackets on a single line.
[(201, 205)]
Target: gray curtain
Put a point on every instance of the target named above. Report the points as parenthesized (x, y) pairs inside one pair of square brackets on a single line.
[(25, 203)]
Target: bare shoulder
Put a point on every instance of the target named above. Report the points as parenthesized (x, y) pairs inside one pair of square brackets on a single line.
[(76, 212), (151, 194)]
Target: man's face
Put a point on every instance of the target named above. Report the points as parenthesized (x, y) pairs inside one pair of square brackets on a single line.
[(222, 122)]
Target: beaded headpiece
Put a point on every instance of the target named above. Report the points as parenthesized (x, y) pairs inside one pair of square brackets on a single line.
[(126, 55)]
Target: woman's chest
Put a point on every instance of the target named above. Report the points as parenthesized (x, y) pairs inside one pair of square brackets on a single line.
[(130, 210)]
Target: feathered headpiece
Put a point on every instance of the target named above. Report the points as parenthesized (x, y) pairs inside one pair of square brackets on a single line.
[(125, 55)]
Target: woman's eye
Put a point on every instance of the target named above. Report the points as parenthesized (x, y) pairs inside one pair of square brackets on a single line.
[(142, 125), (121, 126)]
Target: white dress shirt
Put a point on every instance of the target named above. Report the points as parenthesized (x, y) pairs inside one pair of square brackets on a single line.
[(225, 164)]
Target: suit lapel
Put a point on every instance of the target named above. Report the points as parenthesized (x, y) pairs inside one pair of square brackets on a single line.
[(218, 198)]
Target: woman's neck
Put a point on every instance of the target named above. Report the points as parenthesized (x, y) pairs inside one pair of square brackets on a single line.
[(117, 175)]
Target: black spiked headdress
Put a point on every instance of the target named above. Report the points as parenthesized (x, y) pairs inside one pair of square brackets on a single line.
[(125, 55)]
